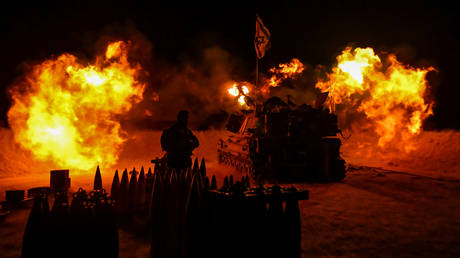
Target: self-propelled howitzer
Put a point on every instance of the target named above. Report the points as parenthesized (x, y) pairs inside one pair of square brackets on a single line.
[(284, 142)]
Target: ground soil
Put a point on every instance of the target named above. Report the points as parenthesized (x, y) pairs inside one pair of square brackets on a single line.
[(374, 212)]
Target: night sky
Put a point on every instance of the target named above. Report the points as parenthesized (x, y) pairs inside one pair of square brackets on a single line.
[(420, 33)]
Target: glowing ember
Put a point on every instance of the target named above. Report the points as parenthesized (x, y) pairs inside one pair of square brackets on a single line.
[(234, 90), (390, 94), (245, 90), (241, 100), (285, 71), (240, 92), (65, 112)]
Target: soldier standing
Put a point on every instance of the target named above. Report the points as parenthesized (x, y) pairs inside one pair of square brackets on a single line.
[(178, 141)]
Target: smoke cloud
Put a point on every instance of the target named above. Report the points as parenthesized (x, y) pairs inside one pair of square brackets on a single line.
[(199, 86)]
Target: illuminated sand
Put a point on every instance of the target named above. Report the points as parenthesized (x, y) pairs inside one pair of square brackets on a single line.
[(372, 213), (436, 154), (438, 157)]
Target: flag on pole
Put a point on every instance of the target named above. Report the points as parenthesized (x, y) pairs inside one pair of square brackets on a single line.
[(262, 38)]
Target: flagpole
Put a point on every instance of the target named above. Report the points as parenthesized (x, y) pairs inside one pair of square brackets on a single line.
[(257, 72)]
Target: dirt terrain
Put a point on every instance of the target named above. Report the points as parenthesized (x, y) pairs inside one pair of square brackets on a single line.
[(374, 212)]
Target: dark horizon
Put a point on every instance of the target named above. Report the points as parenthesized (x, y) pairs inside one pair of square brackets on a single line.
[(421, 34)]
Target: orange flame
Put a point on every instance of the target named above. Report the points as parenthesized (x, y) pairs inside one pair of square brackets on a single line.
[(65, 111), (239, 92), (390, 94), (285, 71)]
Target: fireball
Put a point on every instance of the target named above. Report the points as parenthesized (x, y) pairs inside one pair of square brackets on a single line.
[(66, 111), (390, 95), (285, 71), (239, 92)]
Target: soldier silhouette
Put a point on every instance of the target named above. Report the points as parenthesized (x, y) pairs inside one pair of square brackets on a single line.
[(178, 141)]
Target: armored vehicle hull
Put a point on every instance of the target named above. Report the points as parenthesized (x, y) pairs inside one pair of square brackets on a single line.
[(283, 143)]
